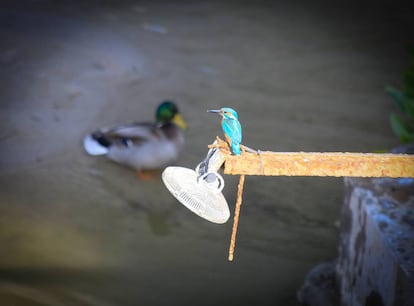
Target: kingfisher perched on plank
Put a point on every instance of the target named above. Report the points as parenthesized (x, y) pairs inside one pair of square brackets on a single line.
[(231, 127)]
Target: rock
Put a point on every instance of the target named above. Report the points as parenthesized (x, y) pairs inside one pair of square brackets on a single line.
[(319, 288)]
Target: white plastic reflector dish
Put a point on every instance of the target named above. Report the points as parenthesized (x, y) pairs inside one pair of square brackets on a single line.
[(206, 201)]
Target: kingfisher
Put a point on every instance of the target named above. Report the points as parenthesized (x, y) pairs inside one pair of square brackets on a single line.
[(231, 127)]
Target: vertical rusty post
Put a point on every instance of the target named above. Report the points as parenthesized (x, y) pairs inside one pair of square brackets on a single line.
[(236, 217)]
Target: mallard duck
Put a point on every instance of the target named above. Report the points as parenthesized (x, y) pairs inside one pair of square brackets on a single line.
[(142, 146)]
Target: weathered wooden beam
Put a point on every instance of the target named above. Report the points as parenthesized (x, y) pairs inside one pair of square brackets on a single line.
[(318, 164), (321, 164)]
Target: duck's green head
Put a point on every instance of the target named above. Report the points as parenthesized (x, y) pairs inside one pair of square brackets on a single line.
[(167, 111)]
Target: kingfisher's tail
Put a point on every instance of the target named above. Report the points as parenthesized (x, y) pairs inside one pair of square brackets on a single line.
[(235, 148)]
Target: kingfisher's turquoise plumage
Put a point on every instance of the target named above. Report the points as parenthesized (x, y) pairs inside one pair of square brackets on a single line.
[(231, 128)]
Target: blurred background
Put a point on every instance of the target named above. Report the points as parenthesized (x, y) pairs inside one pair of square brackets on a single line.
[(81, 230)]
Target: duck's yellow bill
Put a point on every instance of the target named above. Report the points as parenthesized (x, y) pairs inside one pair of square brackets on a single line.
[(179, 120)]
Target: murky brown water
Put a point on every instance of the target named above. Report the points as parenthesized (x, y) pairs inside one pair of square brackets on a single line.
[(78, 230)]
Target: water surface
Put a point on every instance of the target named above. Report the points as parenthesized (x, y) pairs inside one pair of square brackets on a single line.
[(78, 230)]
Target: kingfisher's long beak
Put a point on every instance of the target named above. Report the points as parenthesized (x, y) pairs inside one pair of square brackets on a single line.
[(217, 111)]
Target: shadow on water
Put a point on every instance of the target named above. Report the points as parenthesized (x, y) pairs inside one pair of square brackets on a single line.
[(50, 287)]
